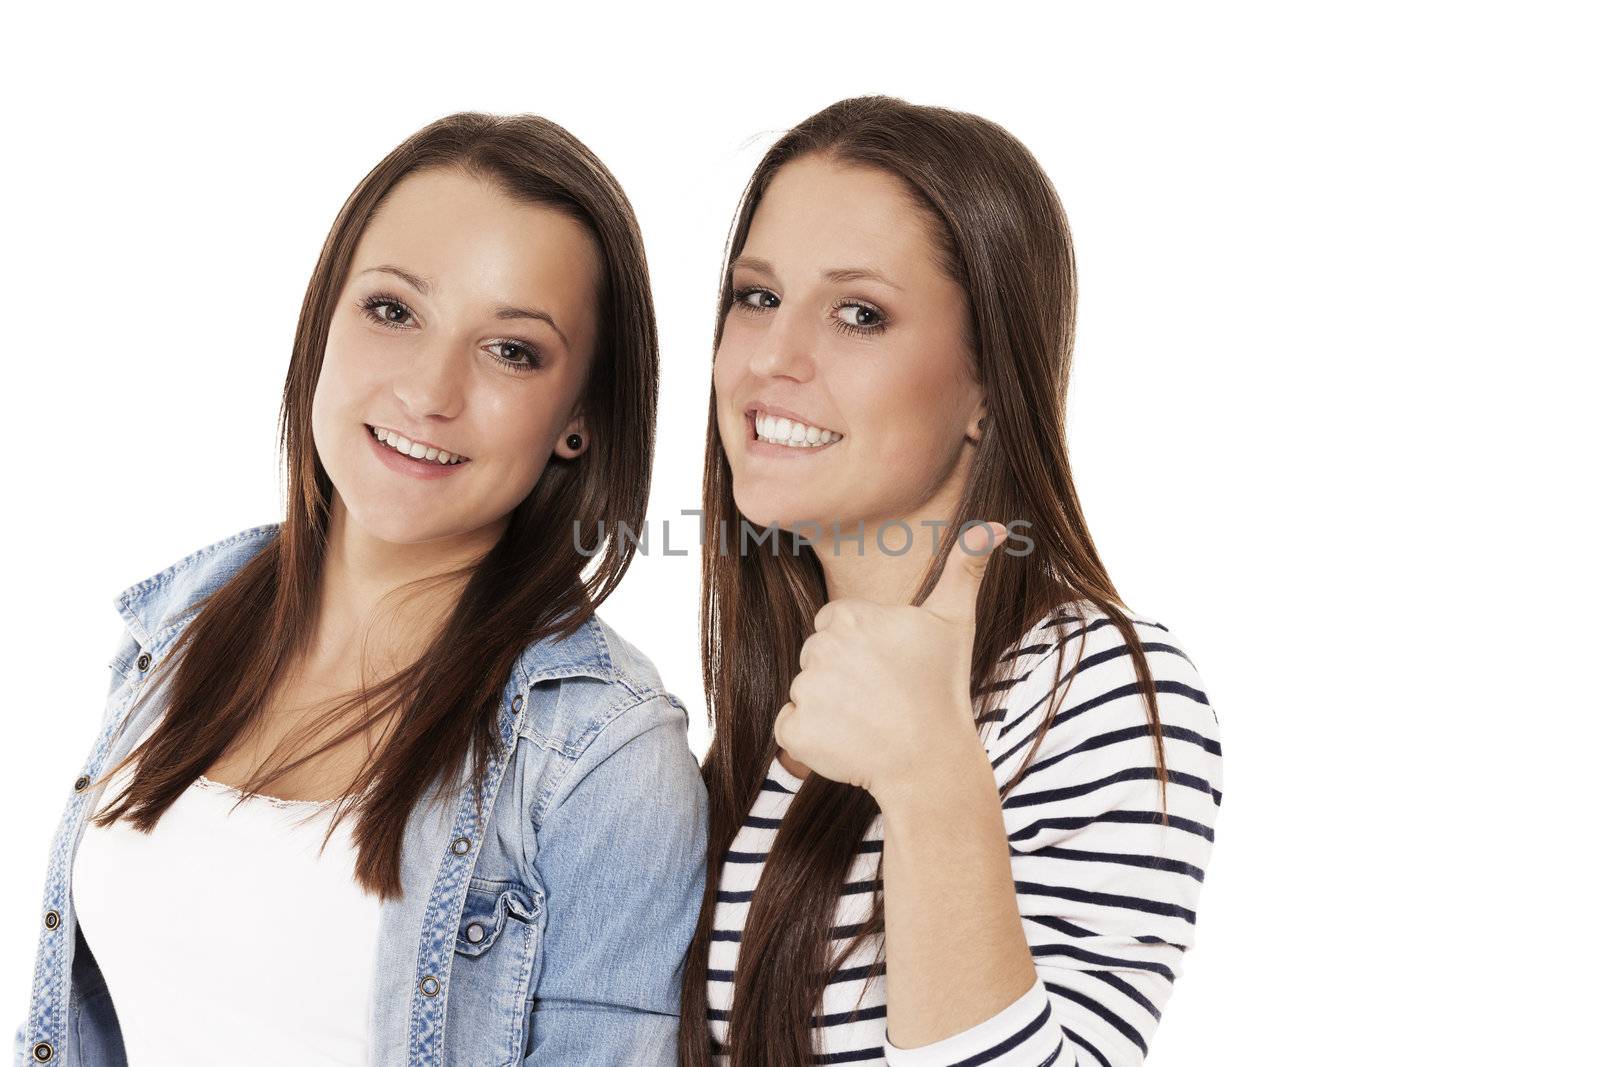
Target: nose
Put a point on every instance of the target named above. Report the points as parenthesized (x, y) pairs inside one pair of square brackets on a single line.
[(785, 349), (431, 380)]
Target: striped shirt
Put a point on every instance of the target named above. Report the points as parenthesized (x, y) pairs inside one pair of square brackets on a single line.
[(1106, 892)]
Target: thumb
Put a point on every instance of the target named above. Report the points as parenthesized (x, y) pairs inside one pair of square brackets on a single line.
[(955, 597)]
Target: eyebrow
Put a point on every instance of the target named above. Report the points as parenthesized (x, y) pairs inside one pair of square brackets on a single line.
[(425, 287), (835, 274)]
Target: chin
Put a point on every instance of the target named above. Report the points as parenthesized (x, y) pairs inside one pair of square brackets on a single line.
[(396, 526), (762, 511)]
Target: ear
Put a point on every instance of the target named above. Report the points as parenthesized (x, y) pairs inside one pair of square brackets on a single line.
[(575, 425), (978, 423)]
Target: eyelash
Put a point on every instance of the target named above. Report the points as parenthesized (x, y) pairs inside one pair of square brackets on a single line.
[(838, 323), (370, 305)]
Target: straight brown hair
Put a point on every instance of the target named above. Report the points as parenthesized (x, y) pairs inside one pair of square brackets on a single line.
[(999, 230), (526, 588)]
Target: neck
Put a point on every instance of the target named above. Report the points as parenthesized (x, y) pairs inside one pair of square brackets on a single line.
[(365, 607), (894, 553)]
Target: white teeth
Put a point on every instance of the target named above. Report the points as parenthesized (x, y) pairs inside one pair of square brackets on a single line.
[(415, 449), (777, 430)]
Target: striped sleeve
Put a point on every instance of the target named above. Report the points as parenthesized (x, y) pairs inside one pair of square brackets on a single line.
[(1107, 892)]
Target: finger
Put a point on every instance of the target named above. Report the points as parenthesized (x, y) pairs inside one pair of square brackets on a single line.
[(844, 612), (955, 597), (816, 650), (799, 686), (778, 725)]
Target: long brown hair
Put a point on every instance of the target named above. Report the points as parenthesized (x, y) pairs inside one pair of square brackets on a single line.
[(1000, 232), (529, 586)]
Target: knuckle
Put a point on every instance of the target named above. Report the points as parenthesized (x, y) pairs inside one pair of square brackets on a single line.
[(796, 688)]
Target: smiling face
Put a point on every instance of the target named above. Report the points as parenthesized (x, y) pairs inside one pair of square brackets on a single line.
[(466, 324), (843, 322)]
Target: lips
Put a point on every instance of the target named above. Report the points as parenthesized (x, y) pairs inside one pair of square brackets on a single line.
[(756, 448), (426, 470), (372, 429), (760, 408)]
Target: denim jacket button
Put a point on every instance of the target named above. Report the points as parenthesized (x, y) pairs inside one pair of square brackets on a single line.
[(83, 780), (461, 846), (516, 702), (429, 986), (144, 660), (52, 919), (43, 1052), (474, 932)]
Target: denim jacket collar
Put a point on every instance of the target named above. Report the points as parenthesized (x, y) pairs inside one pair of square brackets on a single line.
[(160, 603)]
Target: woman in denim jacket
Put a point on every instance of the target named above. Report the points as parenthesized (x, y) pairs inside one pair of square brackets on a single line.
[(508, 787)]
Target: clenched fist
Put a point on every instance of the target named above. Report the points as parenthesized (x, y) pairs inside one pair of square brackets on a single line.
[(883, 694)]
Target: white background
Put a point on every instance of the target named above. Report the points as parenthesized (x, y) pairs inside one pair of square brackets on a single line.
[(1331, 420)]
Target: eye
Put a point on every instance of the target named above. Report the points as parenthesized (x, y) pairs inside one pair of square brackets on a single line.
[(861, 315), (858, 318), (764, 299), (386, 310), (518, 356)]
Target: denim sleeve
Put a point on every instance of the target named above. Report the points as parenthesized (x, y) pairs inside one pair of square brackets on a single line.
[(621, 854)]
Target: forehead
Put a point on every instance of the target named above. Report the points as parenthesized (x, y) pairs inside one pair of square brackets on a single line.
[(821, 214), (476, 242)]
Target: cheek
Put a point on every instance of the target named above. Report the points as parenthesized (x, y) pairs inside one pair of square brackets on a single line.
[(523, 440), (729, 366), (732, 357), (906, 406), (521, 425), (334, 395), (350, 362)]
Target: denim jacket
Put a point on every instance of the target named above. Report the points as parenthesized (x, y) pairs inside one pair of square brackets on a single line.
[(580, 891)]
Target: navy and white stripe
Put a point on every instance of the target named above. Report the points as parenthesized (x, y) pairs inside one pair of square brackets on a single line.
[(1107, 892)]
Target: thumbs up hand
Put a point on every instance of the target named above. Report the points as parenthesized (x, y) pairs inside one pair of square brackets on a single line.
[(883, 694)]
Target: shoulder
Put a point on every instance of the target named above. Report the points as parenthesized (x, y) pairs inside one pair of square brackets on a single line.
[(590, 683), (1073, 678), (608, 728), (165, 597)]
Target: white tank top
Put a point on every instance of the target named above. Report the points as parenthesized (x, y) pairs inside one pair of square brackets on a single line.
[(224, 937)]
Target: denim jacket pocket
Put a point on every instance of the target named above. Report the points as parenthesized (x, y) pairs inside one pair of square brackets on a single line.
[(497, 941)]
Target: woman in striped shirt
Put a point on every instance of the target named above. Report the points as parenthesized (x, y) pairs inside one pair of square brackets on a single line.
[(961, 797)]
